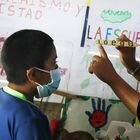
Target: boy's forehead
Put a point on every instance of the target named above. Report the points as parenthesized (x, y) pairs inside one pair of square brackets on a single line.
[(54, 54), (50, 62)]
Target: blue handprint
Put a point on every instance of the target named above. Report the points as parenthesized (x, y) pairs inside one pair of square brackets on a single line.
[(98, 117)]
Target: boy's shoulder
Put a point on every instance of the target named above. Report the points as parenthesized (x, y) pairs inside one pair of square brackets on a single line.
[(13, 105)]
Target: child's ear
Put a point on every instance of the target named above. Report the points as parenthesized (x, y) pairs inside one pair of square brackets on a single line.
[(32, 75)]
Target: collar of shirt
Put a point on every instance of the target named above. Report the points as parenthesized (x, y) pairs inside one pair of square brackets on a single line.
[(15, 93)]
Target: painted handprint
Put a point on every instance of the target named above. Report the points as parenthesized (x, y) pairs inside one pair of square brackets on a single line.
[(98, 118)]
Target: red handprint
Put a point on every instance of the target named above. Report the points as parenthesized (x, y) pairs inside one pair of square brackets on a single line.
[(98, 118)]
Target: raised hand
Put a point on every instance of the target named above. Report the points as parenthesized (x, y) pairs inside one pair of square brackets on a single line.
[(102, 67), (127, 54)]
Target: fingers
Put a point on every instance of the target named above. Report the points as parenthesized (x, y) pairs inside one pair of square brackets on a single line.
[(123, 38), (95, 59), (90, 69), (102, 51)]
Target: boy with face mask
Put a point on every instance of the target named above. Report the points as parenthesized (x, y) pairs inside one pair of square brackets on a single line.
[(29, 60)]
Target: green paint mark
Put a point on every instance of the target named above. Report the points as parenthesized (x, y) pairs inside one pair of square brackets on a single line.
[(114, 101), (86, 59), (65, 108), (115, 16), (85, 98), (84, 84)]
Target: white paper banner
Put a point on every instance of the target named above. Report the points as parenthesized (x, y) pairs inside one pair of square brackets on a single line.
[(63, 21)]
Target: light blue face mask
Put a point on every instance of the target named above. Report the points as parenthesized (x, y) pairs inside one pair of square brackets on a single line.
[(48, 89)]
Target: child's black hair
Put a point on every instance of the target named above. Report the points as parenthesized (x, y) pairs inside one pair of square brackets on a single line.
[(22, 50)]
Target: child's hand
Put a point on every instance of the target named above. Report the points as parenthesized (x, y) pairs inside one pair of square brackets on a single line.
[(127, 54), (102, 67)]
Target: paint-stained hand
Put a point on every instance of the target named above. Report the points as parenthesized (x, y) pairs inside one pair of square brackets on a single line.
[(127, 54), (102, 67), (98, 118)]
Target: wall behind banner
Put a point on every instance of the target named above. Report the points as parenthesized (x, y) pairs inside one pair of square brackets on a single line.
[(63, 21)]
